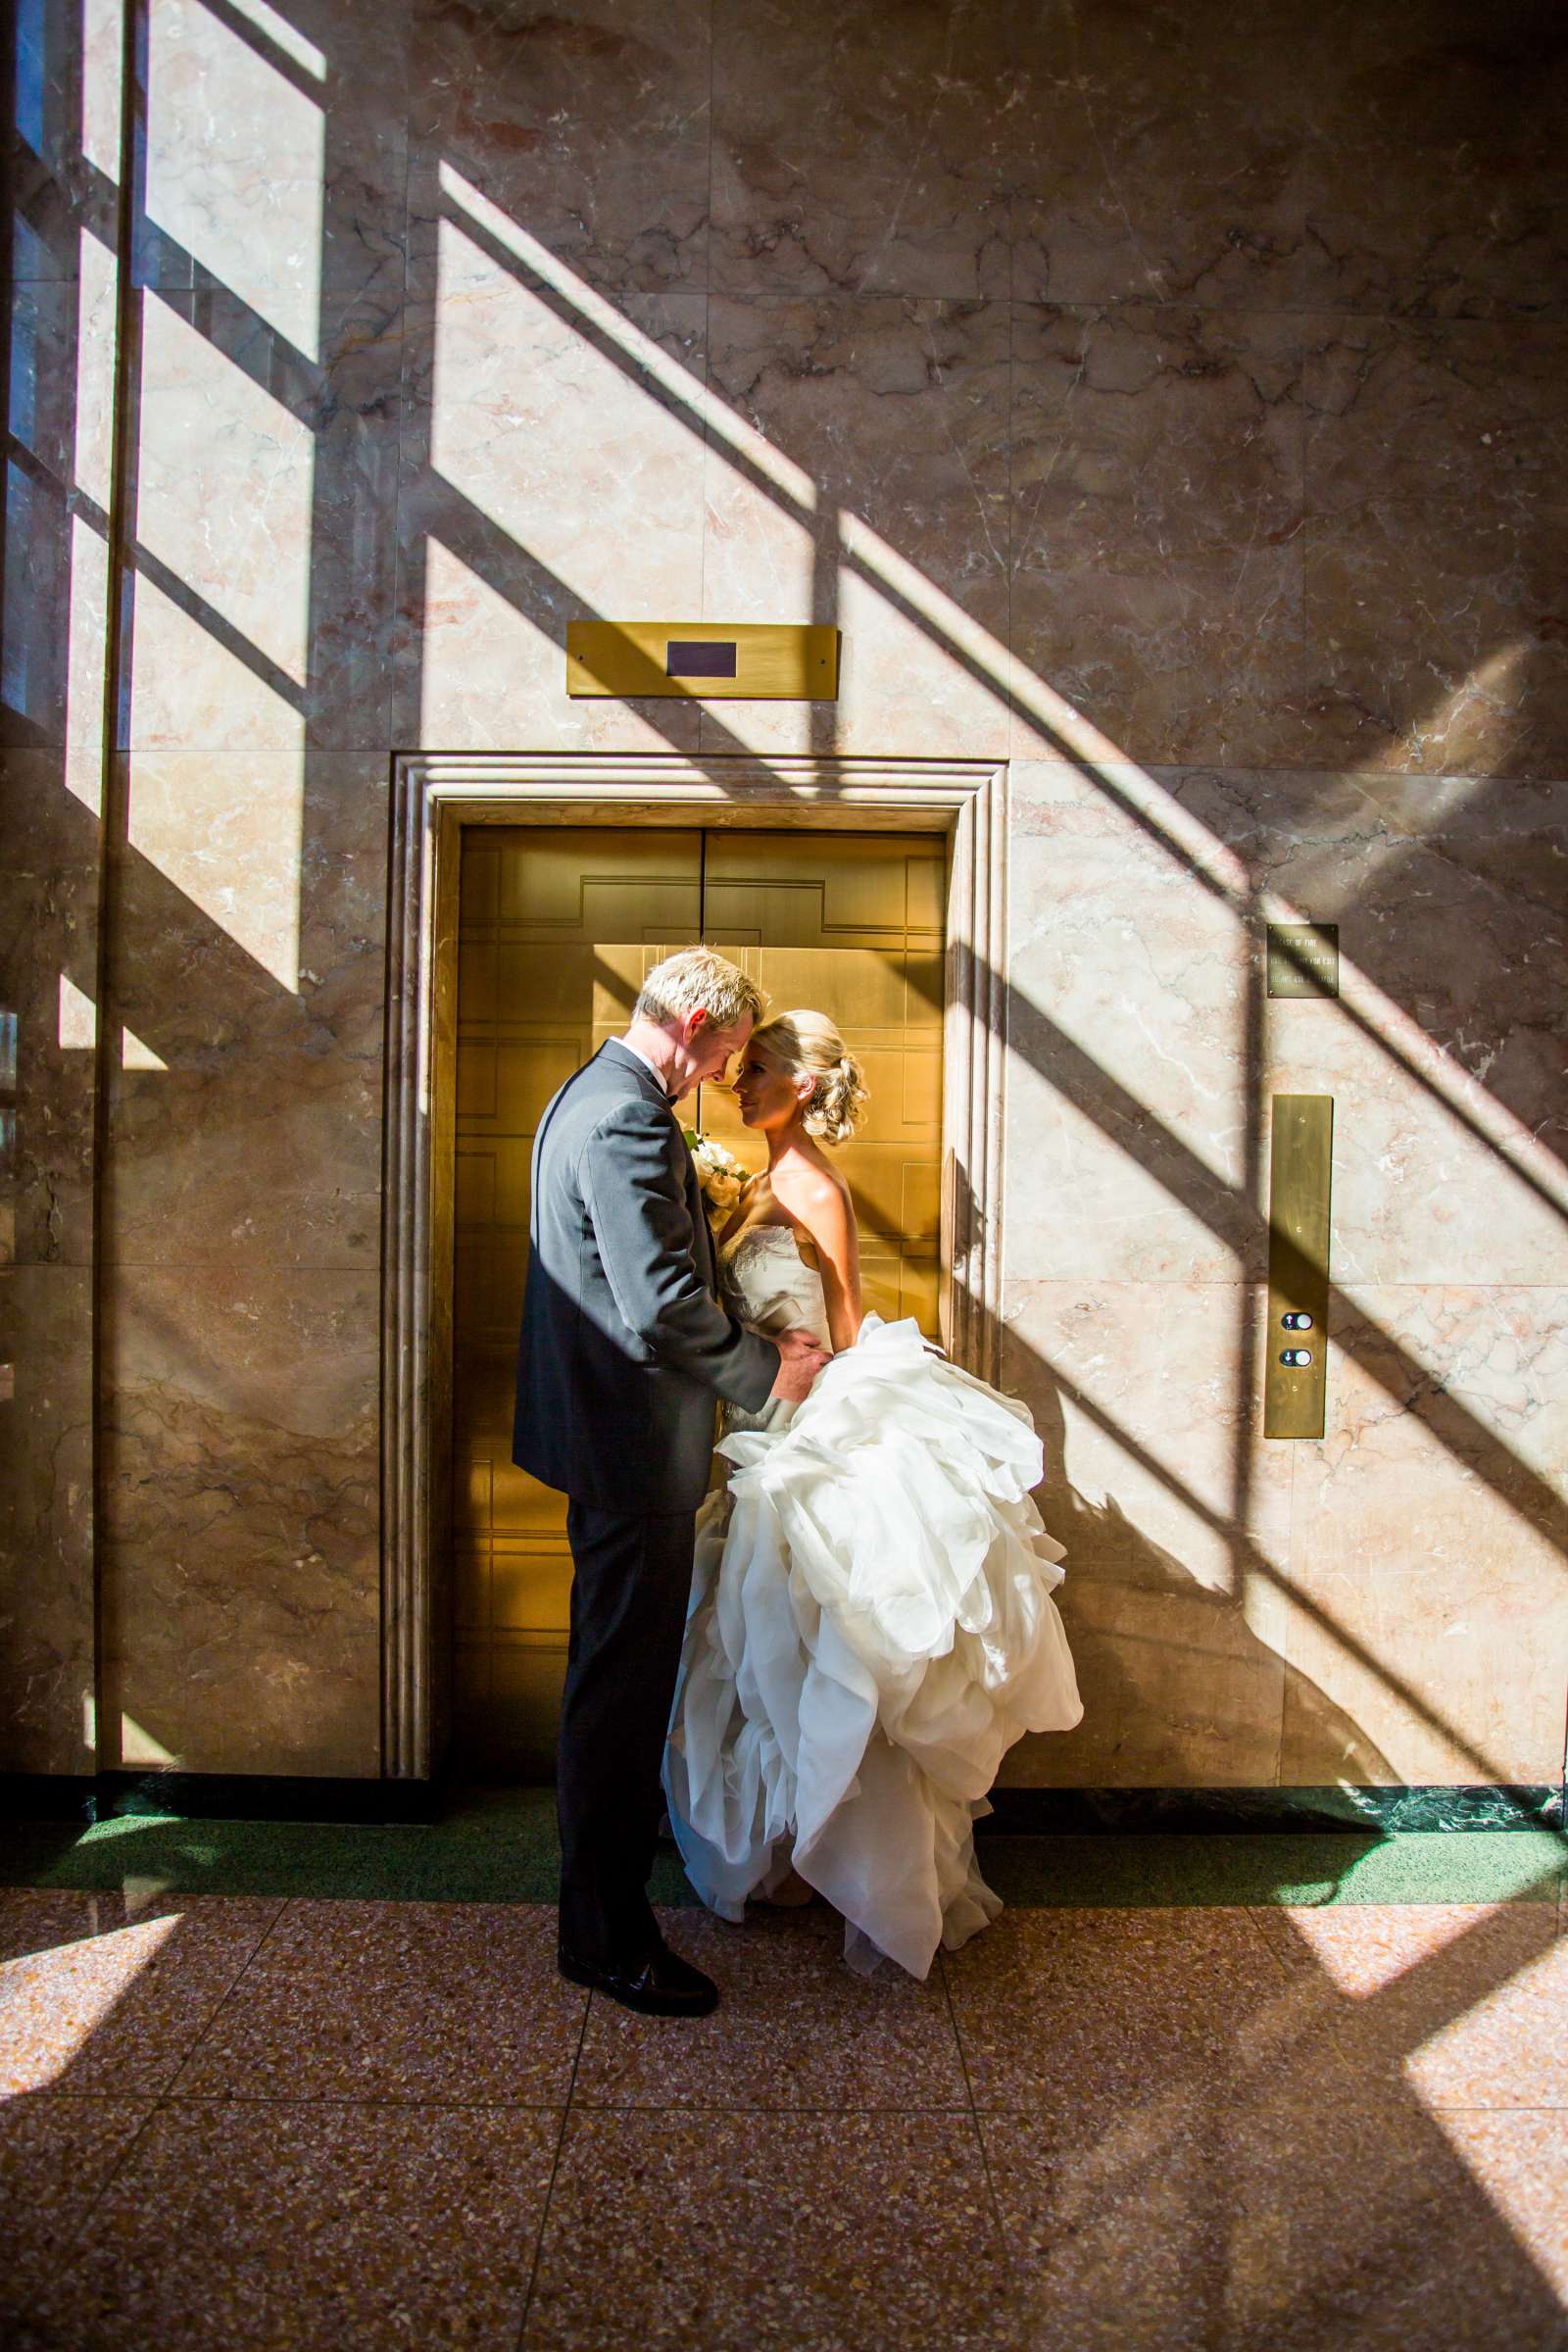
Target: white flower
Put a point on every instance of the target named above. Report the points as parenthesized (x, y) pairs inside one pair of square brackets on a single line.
[(719, 1174)]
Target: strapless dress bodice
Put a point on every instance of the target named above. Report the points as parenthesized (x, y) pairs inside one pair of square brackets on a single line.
[(770, 1284), (770, 1287)]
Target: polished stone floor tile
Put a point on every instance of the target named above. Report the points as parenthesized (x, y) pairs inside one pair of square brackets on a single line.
[(55, 2155), (1173, 2224), (1268, 2130), (795, 2028), (1050, 2001), (761, 2231), (460, 2002), (1518, 2159), (1369, 1950), (309, 2227), (1462, 2002), (98, 1994)]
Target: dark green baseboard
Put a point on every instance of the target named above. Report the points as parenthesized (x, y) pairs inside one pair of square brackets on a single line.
[(1188, 1812), (1018, 1812), (498, 1846)]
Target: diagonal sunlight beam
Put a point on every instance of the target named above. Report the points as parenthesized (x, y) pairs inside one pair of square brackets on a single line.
[(80, 1982), (279, 681), (263, 126), (1157, 814), (1162, 819), (485, 549), (1258, 1563), (1157, 1150), (616, 336), (285, 44), (1296, 2057)]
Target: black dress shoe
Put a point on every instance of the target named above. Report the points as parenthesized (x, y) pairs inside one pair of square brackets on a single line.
[(663, 1984)]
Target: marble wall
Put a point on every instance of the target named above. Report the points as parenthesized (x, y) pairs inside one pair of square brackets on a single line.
[(1165, 399)]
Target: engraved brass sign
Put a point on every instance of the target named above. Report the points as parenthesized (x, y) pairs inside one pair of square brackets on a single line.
[(705, 661), (1303, 959), (1295, 1372)]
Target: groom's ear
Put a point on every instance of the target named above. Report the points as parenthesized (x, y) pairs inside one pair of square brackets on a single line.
[(694, 1024)]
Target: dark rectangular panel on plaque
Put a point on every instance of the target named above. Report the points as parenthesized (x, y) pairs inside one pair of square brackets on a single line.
[(1303, 959), (707, 661), (699, 658)]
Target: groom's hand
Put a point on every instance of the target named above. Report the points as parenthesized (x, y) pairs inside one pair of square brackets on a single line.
[(801, 1359)]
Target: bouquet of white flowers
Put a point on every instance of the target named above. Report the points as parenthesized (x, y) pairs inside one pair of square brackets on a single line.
[(719, 1173)]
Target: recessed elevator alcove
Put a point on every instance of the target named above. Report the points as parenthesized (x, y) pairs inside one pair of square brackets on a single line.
[(557, 926)]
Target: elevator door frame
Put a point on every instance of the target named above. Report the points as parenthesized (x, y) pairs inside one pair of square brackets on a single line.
[(435, 797)]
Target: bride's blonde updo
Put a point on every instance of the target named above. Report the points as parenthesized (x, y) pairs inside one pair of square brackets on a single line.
[(806, 1045)]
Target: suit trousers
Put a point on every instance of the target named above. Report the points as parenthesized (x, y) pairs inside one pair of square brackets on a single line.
[(630, 1588)]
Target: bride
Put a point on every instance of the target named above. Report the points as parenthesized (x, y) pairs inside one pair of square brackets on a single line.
[(870, 1623)]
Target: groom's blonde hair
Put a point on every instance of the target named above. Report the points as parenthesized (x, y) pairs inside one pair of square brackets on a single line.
[(698, 980)]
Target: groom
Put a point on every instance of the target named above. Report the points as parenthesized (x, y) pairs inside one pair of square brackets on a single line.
[(625, 1352)]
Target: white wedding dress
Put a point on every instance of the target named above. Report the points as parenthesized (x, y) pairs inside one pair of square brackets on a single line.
[(870, 1629)]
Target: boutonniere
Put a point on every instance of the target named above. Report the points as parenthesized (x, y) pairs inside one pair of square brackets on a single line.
[(719, 1174)]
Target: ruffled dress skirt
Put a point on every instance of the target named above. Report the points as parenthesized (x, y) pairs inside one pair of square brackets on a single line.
[(871, 1626)]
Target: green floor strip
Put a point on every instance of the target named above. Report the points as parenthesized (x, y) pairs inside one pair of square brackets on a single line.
[(499, 1847), (1426, 1866)]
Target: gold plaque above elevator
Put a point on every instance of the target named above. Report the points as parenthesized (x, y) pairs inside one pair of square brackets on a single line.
[(557, 927), (704, 661)]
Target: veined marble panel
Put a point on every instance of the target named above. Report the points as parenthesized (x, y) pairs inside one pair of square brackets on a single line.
[(587, 125), (265, 526), (879, 220), (1436, 540), (1431, 1184), (49, 984), (1443, 1053), (1429, 1584), (551, 472), (1434, 180), (1161, 154), (241, 1605), (855, 153), (610, 228), (1132, 1095), (248, 965), (630, 75), (1445, 1048), (1156, 489), (838, 73), (1194, 657), (1154, 426), (46, 1521), (879, 504), (275, 156), (1166, 1500)]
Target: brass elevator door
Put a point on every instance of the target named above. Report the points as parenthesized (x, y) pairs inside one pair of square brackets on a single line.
[(557, 927)]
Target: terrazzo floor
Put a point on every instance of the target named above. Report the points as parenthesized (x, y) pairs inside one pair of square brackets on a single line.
[(245, 2117)]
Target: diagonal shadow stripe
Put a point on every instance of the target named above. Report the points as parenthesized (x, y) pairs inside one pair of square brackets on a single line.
[(223, 632), (491, 551), (1252, 1559), (711, 429)]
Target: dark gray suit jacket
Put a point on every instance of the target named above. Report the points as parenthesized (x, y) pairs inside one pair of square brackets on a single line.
[(624, 1346)]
